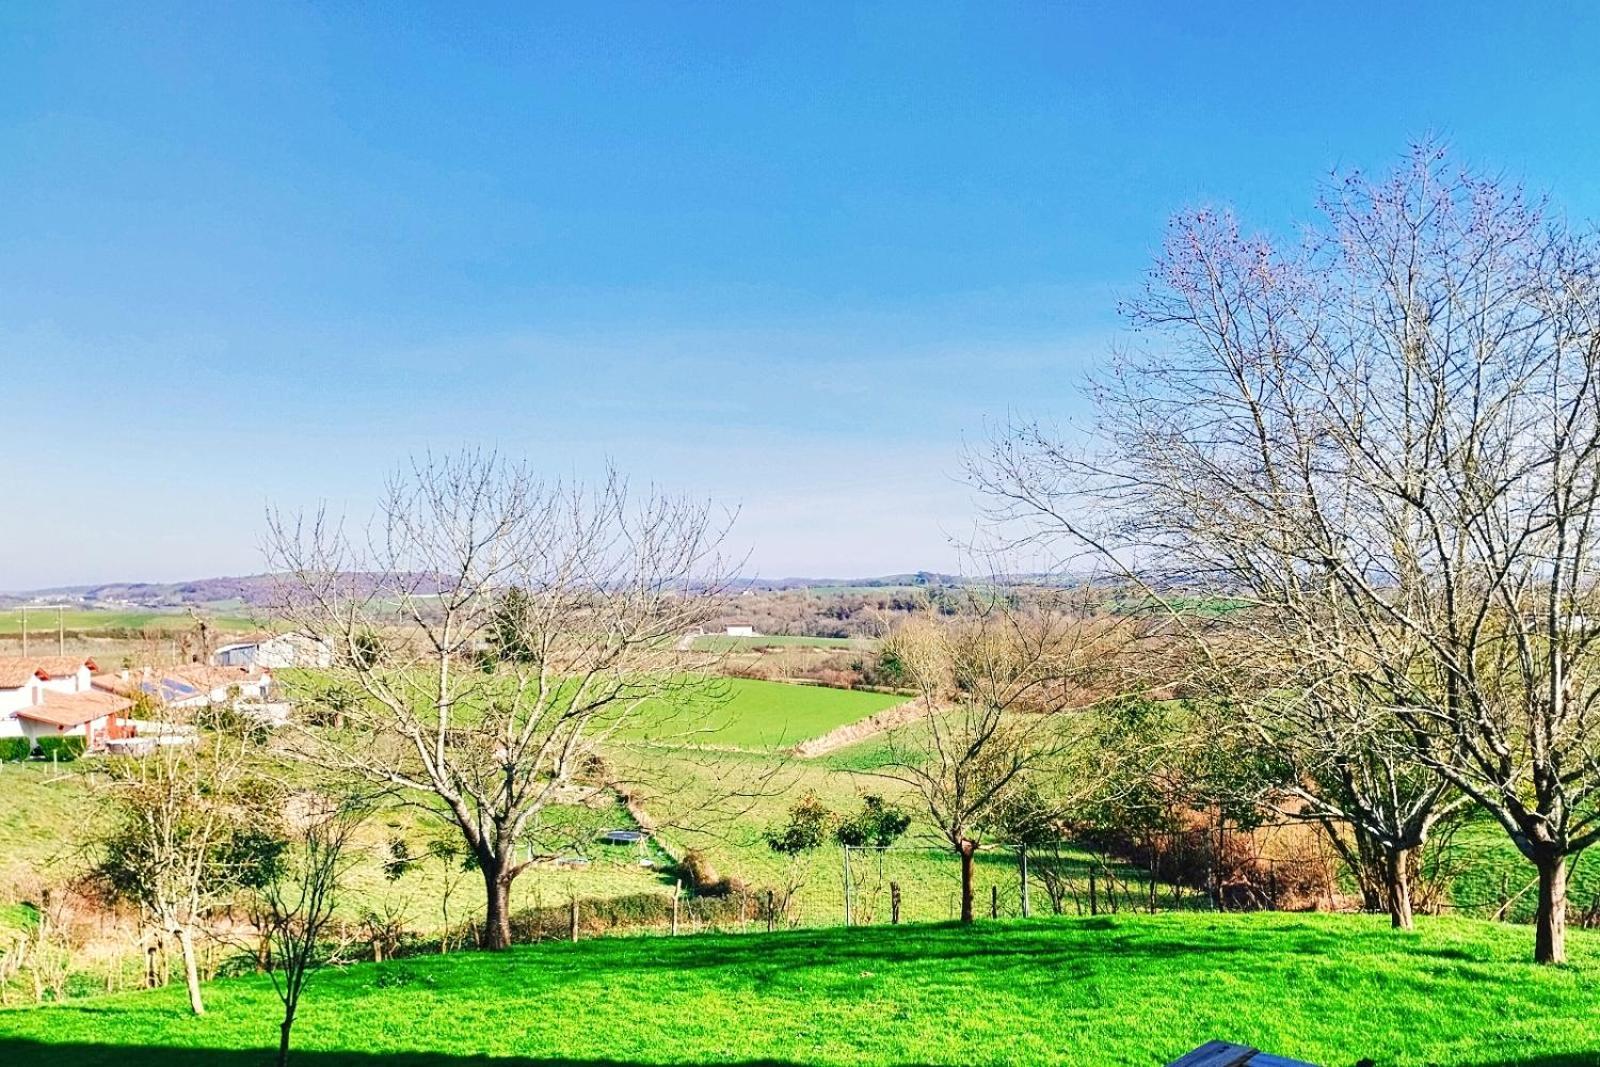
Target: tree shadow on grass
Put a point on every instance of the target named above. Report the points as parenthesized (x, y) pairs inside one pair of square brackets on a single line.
[(995, 949), (23, 1053)]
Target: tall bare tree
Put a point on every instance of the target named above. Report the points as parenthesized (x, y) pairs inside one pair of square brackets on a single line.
[(484, 703), (1383, 447), (994, 683)]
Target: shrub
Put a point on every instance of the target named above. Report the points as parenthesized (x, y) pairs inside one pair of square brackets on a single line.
[(61, 748), (14, 748), (702, 877)]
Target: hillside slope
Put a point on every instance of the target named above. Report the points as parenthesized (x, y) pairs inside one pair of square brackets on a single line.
[(1130, 990)]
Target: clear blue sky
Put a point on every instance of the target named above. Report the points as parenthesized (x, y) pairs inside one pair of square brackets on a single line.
[(787, 256)]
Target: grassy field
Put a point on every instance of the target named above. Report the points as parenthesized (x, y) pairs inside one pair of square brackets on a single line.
[(1487, 873), (42, 809), (747, 714), (1128, 991), (42, 621)]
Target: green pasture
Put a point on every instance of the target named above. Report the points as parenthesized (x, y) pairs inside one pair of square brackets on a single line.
[(1127, 990), (43, 621), (750, 714)]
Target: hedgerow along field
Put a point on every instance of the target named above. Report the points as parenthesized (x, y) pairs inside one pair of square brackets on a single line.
[(1130, 990), (729, 643)]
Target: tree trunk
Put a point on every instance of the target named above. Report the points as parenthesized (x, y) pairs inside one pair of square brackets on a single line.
[(1397, 887), (1550, 934), (191, 971), (497, 917), (967, 847), (283, 1037)]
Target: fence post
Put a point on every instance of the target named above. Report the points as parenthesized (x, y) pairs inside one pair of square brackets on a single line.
[(846, 884), (1094, 904), (772, 909), (677, 891), (894, 903), (1022, 859), (994, 902), (572, 921)]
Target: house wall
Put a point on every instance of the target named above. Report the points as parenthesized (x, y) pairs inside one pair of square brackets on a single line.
[(243, 656), (14, 700)]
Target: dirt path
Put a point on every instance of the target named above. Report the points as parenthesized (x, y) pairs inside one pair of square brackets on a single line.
[(860, 730)]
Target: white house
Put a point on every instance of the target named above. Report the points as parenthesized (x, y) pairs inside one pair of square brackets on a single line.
[(53, 696), (281, 650), (742, 631)]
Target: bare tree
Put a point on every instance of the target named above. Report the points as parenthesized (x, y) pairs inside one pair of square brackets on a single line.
[(1345, 763), (482, 703), (1383, 449), (184, 834), (300, 892), (992, 683)]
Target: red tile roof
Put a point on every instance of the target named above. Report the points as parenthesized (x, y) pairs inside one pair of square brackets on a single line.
[(74, 709), (17, 671), (198, 676)]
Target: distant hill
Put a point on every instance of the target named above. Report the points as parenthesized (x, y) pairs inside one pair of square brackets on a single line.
[(242, 592), (887, 581), (256, 590)]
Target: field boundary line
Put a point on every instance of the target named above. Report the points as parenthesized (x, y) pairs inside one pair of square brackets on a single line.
[(852, 732)]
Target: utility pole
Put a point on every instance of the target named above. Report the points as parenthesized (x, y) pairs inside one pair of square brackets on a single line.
[(61, 631), (24, 630)]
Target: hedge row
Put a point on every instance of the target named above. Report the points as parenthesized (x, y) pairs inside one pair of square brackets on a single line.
[(62, 749)]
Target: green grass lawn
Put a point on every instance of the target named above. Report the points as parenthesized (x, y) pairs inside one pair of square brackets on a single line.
[(1141, 990), (747, 714)]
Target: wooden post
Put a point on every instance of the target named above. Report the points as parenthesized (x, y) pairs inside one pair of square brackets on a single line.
[(1022, 861), (994, 902), (1094, 903), (894, 903), (772, 911), (1272, 887), (572, 922), (677, 891), (847, 885)]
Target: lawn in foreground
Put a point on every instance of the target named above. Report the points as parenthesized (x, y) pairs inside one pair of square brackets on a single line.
[(1127, 990)]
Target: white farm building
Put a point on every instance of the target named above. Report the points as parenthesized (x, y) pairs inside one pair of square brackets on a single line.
[(282, 650)]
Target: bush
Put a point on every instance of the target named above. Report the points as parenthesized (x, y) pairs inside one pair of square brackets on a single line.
[(702, 876), (14, 748), (60, 748)]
